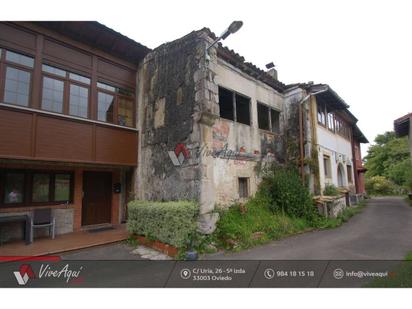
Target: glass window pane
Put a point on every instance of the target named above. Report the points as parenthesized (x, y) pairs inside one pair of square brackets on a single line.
[(331, 122), (20, 59), (106, 87), (52, 99), (41, 187), (53, 70), (13, 188), (105, 107), (125, 112), (79, 78), (79, 101), (263, 117), (17, 87), (62, 187), (321, 114)]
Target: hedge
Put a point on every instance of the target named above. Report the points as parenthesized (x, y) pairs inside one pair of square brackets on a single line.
[(169, 222)]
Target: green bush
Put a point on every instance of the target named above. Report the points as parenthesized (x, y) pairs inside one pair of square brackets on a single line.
[(283, 188), (331, 190), (380, 185), (244, 226), (408, 180), (169, 222)]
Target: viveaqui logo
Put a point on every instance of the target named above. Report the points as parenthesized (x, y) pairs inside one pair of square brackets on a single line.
[(24, 274), (47, 272), (179, 155)]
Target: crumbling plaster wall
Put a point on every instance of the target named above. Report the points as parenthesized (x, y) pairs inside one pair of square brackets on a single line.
[(166, 95), (245, 139), (178, 104)]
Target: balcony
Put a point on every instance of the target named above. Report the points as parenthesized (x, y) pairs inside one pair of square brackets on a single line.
[(31, 134)]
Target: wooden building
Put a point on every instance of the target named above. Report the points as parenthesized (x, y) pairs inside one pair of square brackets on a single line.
[(68, 137)]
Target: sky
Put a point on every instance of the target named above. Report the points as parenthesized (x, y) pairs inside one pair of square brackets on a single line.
[(362, 49)]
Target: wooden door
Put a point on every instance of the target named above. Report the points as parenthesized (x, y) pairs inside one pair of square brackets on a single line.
[(97, 198)]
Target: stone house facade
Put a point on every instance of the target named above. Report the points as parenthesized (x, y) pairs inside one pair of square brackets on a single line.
[(223, 117)]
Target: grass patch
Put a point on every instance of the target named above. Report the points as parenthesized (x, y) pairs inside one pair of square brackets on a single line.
[(343, 217), (244, 226), (401, 278), (132, 241)]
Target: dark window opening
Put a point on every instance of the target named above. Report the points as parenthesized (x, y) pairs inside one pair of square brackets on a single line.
[(242, 109), (31, 188), (243, 187), (274, 116), (349, 171), (234, 106), (41, 188), (268, 118), (263, 117), (13, 188), (226, 104), (327, 166)]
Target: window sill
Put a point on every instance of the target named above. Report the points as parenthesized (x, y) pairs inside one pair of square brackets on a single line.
[(269, 132), (235, 122)]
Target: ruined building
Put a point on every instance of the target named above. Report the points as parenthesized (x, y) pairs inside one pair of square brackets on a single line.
[(223, 116)]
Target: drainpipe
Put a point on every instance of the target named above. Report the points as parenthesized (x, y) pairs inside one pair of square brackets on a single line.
[(301, 133)]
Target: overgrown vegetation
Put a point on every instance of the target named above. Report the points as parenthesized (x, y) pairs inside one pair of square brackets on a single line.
[(169, 222), (282, 191), (282, 206), (331, 190), (389, 166), (401, 277), (244, 226)]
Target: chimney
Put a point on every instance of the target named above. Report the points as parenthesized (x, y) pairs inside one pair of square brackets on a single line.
[(271, 70)]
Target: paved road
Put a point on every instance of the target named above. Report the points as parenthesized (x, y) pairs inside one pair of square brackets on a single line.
[(383, 231)]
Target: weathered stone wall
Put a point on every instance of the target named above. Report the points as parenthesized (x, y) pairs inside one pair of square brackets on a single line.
[(166, 99), (178, 104), (291, 126)]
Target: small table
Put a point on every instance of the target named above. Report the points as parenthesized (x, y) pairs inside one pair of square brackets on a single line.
[(20, 218)]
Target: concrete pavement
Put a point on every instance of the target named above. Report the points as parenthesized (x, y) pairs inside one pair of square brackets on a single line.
[(383, 231)]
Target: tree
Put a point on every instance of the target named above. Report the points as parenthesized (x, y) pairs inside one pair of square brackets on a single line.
[(389, 157)]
